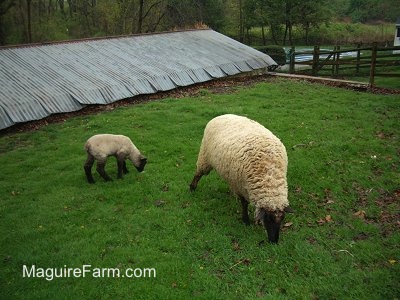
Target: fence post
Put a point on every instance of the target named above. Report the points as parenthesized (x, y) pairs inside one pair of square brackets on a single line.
[(373, 64), (337, 61), (358, 59), (315, 60), (291, 60), (333, 60)]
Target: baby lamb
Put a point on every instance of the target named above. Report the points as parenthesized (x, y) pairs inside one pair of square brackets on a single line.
[(254, 163), (101, 146)]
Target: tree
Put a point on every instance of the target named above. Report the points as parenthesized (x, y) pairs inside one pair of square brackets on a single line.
[(283, 15), (310, 13), (373, 10)]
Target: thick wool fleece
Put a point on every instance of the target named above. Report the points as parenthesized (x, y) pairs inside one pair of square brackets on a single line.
[(249, 157), (103, 145)]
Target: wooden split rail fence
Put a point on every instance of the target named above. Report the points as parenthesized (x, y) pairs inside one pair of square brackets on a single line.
[(373, 58)]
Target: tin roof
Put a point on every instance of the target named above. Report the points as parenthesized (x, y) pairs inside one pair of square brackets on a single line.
[(40, 80)]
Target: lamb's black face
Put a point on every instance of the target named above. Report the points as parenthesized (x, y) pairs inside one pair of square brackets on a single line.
[(272, 224), (142, 163)]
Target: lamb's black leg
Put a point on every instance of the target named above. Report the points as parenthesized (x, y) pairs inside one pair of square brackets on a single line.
[(125, 169), (101, 171), (120, 163), (195, 180), (245, 212), (88, 168)]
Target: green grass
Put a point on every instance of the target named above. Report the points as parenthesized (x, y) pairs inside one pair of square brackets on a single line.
[(343, 150)]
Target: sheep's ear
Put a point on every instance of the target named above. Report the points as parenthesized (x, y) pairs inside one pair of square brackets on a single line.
[(259, 215), (288, 210)]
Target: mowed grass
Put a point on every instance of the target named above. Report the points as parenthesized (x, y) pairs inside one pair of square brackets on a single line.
[(342, 241)]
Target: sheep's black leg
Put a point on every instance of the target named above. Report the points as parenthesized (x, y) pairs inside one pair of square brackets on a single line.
[(245, 212), (195, 180), (101, 171), (124, 168), (88, 168)]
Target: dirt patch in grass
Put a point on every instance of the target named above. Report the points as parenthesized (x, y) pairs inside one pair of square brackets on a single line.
[(389, 218), (388, 204)]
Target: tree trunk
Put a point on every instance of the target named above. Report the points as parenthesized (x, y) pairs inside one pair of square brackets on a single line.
[(306, 29), (263, 34), (285, 35), (290, 33), (3, 10), (61, 4), (274, 35), (71, 6), (241, 27), (28, 10), (140, 19)]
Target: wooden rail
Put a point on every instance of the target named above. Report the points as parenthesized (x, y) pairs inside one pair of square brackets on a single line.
[(373, 58)]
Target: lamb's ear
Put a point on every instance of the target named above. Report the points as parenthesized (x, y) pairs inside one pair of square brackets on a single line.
[(288, 210)]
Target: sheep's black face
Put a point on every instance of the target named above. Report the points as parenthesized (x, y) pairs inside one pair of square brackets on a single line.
[(272, 224), (142, 163)]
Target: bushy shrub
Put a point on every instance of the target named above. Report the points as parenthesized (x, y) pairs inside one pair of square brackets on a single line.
[(276, 52)]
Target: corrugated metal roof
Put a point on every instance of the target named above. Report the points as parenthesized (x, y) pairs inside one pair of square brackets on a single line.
[(39, 80)]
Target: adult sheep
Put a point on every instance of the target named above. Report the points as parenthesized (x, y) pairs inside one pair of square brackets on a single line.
[(254, 163), (101, 146)]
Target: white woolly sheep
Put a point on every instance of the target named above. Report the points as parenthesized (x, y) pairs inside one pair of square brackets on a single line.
[(254, 163), (100, 146)]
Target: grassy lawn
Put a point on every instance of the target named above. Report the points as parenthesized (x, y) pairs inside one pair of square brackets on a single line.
[(342, 242)]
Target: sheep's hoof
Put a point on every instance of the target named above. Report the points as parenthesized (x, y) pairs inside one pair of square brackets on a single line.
[(246, 222)]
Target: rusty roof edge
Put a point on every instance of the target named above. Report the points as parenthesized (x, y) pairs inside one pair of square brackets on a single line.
[(99, 38)]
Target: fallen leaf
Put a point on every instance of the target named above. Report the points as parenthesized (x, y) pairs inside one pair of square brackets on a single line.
[(235, 245), (159, 203), (260, 294), (361, 236), (311, 240), (360, 214), (288, 224), (392, 261), (328, 218)]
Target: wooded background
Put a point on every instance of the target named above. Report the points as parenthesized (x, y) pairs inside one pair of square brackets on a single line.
[(28, 21)]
